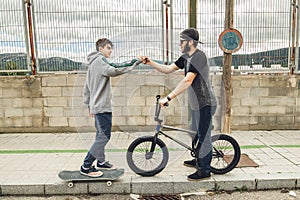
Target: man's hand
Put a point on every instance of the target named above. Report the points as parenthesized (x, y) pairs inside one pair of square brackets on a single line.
[(90, 114), (164, 102), (144, 59)]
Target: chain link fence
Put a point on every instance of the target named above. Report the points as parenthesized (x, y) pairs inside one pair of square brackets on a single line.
[(65, 31)]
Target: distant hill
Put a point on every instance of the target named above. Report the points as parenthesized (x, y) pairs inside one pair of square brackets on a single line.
[(18, 61), (266, 58)]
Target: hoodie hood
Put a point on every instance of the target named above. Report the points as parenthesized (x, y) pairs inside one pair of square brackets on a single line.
[(93, 55)]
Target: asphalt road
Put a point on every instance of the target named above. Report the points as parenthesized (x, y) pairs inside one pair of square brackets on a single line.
[(259, 195)]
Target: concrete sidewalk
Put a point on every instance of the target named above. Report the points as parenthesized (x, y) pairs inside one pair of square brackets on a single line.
[(29, 164)]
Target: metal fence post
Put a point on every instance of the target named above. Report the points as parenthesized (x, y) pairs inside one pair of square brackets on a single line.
[(297, 39), (31, 37)]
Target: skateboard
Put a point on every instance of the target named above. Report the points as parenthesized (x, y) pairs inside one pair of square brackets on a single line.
[(74, 176)]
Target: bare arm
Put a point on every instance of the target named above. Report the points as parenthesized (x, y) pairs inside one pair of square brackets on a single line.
[(166, 69), (181, 87)]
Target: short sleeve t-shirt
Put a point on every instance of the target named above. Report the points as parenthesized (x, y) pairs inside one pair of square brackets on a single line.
[(200, 93)]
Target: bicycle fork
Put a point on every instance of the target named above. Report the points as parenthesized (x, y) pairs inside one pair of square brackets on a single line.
[(149, 154)]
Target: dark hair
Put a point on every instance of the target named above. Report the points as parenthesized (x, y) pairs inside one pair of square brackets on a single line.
[(102, 43)]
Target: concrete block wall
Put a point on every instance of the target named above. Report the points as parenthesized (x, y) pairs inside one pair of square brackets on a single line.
[(53, 103), (265, 102)]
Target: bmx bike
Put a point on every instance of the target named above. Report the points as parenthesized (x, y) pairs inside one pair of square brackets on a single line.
[(149, 155)]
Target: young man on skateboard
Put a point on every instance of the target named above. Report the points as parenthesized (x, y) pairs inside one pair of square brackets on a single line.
[(98, 98)]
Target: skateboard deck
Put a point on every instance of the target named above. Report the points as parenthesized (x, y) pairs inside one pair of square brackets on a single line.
[(75, 176)]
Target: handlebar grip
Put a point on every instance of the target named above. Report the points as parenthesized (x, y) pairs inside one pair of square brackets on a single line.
[(166, 104)]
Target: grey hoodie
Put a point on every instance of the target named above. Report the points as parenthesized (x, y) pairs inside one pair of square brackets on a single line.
[(97, 89)]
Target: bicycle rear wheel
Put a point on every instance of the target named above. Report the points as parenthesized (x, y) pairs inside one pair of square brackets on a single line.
[(226, 154), (144, 162)]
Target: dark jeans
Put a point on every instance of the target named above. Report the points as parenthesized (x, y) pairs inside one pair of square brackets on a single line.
[(103, 123), (202, 123)]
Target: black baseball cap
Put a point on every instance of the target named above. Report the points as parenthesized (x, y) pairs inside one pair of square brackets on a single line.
[(190, 34)]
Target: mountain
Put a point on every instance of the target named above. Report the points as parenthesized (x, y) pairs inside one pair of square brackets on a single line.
[(265, 58), (19, 61)]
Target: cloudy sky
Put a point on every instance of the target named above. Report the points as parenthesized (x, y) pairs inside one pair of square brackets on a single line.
[(69, 28)]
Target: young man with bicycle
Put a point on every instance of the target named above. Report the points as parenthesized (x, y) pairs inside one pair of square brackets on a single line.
[(202, 99)]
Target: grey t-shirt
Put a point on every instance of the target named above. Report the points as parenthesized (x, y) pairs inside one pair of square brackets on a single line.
[(201, 92)]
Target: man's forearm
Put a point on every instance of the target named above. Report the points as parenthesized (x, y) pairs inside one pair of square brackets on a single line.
[(180, 88), (161, 67)]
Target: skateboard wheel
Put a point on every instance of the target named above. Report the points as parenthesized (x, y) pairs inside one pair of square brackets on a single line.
[(70, 184), (108, 183)]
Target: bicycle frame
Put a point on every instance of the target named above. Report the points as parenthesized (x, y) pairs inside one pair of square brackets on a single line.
[(160, 125)]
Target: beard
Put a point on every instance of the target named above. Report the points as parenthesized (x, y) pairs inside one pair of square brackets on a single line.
[(186, 48)]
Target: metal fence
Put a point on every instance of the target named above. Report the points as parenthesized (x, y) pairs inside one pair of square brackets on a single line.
[(65, 31)]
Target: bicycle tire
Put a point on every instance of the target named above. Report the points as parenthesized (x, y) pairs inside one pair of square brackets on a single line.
[(226, 154), (141, 161)]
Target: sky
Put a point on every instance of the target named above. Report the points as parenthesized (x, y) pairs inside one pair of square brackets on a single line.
[(69, 28)]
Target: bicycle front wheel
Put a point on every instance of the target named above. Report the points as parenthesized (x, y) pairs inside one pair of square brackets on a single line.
[(144, 162), (226, 154)]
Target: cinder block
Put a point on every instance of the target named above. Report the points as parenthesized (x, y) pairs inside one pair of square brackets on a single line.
[(266, 120), (156, 79), (137, 100), (249, 82), (54, 111), (120, 101), (134, 80), (22, 121), (51, 91), (283, 91), (147, 90), (22, 102), (240, 92), (11, 93), (244, 120), (132, 111), (136, 121), (259, 92), (69, 91), (55, 101), (240, 110), (119, 81), (37, 102), (78, 121), (13, 112), (37, 121), (58, 121), (54, 81), (285, 119), (76, 80), (33, 112), (250, 101), (273, 101), (119, 121)]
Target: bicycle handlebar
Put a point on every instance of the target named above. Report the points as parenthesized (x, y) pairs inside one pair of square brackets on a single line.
[(158, 108)]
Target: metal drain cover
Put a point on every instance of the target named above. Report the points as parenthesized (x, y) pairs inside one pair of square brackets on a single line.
[(160, 197)]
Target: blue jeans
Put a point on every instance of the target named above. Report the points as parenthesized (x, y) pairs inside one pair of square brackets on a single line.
[(202, 123), (103, 124)]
